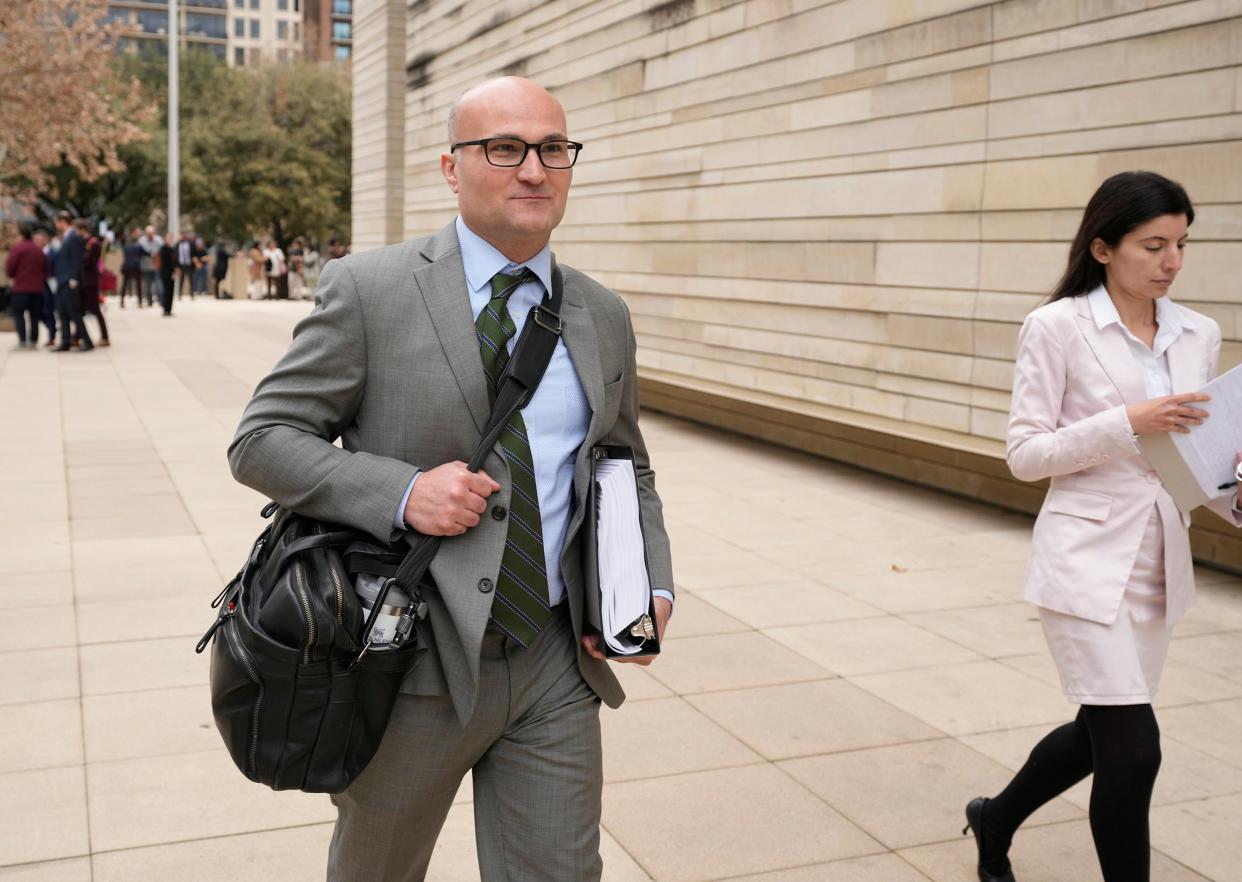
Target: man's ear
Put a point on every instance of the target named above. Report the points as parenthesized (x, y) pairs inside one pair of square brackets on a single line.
[(1100, 250), (448, 168)]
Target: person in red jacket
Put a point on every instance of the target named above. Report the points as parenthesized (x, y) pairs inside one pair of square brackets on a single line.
[(26, 265)]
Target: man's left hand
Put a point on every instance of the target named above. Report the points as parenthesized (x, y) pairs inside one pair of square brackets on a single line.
[(590, 642)]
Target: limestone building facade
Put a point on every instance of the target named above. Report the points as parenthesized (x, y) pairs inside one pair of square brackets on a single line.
[(829, 217)]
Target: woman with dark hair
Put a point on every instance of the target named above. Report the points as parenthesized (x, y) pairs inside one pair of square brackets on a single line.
[(1110, 359)]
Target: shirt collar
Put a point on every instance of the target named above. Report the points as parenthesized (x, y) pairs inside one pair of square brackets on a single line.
[(1168, 317), (481, 260)]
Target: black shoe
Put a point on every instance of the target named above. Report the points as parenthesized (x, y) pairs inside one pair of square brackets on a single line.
[(63, 349), (974, 824)]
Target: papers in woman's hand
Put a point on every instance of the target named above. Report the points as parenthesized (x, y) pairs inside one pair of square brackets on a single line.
[(1193, 465), (625, 590)]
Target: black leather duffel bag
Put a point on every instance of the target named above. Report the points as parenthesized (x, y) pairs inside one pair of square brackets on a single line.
[(300, 699), (299, 703)]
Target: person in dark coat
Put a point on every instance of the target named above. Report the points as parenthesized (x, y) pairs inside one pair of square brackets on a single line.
[(131, 267), (91, 257), (219, 269), (69, 285), (26, 266), (168, 265), (48, 316)]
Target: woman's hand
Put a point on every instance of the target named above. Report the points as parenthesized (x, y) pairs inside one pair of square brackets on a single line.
[(1171, 413)]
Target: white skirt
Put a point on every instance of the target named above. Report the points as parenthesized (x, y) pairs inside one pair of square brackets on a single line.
[(1119, 663)]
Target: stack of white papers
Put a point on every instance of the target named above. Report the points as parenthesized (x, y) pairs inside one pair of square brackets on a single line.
[(1193, 465), (624, 588)]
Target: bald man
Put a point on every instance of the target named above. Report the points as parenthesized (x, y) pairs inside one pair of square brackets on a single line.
[(396, 361)]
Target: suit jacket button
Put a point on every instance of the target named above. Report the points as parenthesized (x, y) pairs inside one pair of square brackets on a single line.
[(498, 513), (485, 585)]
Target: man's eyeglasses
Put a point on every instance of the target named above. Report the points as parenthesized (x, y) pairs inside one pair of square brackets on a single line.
[(511, 152)]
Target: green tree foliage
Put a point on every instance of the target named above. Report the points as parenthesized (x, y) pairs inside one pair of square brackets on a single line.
[(263, 152)]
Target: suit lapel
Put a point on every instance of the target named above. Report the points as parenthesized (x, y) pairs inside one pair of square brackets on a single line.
[(582, 343), (443, 286), (1113, 353)]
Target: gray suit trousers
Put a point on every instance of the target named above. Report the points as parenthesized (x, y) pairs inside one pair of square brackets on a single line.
[(533, 744)]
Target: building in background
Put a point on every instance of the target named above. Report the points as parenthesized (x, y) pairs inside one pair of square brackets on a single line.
[(265, 31), (241, 32), (204, 25), (829, 218), (329, 30)]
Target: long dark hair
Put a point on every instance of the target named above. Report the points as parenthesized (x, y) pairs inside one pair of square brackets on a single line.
[(1123, 202)]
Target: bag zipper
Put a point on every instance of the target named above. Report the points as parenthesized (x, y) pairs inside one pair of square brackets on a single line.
[(258, 702), (306, 608), (340, 592)]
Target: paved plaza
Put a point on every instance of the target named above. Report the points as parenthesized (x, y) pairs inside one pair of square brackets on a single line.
[(848, 663)]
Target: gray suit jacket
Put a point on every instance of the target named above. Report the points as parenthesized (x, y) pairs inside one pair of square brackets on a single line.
[(389, 363)]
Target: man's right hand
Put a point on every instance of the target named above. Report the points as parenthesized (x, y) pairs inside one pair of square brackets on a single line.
[(1170, 413), (447, 500)]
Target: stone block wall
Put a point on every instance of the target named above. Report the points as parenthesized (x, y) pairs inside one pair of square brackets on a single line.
[(829, 217)]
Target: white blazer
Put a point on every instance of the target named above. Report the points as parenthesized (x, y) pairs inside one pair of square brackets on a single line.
[(1067, 422)]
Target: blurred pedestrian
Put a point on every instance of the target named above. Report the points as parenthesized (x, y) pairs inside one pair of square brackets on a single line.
[(131, 267), (167, 260), (200, 267), (26, 266), (151, 279), (310, 269), (297, 254), (186, 265), (92, 258), (219, 269), (69, 285), (274, 264), (255, 264), (48, 309)]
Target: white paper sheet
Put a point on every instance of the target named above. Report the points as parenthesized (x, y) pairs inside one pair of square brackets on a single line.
[(1194, 465), (619, 548)]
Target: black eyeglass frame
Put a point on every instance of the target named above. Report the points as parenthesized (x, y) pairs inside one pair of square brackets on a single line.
[(526, 146)]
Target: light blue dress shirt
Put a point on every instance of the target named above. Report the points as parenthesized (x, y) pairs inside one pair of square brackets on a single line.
[(558, 414)]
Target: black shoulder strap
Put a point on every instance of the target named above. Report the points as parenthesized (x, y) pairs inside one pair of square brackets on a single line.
[(525, 368), (523, 371)]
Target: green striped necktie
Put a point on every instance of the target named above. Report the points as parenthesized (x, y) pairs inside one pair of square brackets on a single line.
[(520, 607)]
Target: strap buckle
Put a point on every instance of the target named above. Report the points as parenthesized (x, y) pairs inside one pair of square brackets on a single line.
[(546, 318)]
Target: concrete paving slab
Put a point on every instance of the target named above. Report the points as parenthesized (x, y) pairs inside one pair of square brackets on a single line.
[(72, 870), (40, 735), (662, 821), (910, 794), (44, 815), (161, 799), (666, 736), (803, 719)]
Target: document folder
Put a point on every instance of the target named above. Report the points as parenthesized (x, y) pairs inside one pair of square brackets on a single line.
[(1194, 465), (619, 603)]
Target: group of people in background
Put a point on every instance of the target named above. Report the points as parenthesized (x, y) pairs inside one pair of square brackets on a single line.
[(56, 279), (275, 275), (154, 267), (56, 283)]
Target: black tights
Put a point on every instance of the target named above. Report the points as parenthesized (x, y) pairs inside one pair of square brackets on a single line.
[(1120, 745)]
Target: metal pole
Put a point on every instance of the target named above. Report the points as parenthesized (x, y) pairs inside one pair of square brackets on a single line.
[(174, 135)]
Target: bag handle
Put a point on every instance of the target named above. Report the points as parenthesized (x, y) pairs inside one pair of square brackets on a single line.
[(531, 354)]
